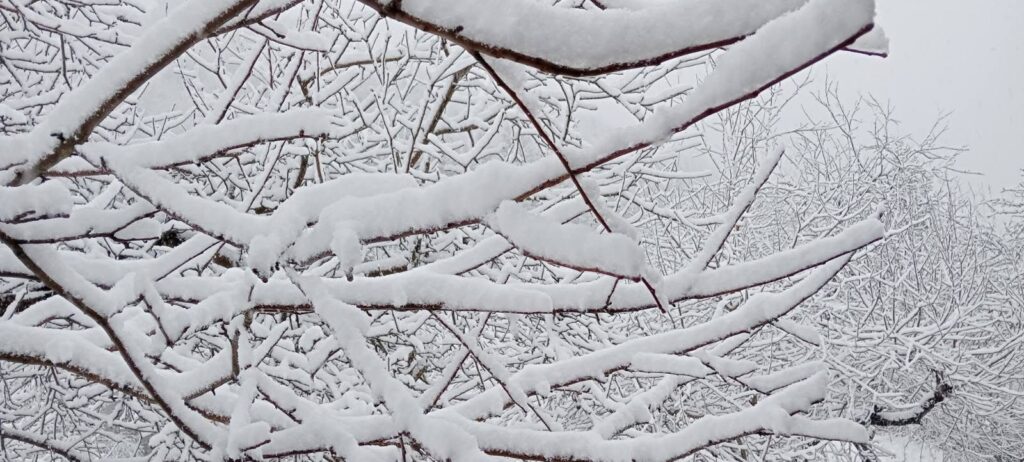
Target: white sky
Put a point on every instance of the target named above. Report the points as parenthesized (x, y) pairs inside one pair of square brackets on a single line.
[(965, 58)]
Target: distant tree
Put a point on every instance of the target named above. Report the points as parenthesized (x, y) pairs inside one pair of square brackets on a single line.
[(924, 329)]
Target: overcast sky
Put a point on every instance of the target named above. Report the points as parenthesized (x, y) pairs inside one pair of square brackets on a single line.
[(960, 57)]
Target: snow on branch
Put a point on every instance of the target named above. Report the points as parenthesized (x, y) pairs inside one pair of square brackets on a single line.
[(580, 42), (247, 230), (913, 414), (575, 246), (78, 112)]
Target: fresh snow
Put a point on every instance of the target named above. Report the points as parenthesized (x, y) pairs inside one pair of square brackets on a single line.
[(248, 229)]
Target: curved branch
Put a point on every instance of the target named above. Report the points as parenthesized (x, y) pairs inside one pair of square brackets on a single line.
[(578, 42), (916, 413)]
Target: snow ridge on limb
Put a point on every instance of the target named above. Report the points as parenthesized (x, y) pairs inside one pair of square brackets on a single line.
[(584, 42), (571, 245), (34, 201)]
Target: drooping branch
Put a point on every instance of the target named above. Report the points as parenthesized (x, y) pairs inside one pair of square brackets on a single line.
[(913, 415), (584, 42)]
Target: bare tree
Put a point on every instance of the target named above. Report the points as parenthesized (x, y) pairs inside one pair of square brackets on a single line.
[(923, 331), (241, 229)]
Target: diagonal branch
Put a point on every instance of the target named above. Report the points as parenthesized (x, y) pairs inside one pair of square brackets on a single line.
[(512, 93)]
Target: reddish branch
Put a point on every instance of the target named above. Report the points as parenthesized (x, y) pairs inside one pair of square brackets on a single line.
[(393, 10), (562, 159)]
